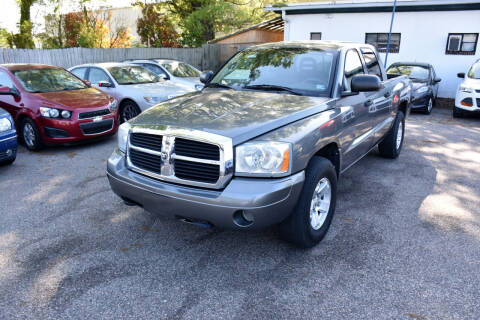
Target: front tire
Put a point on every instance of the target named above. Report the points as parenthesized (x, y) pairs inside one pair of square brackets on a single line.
[(31, 135), (312, 216), (128, 110), (457, 112), (392, 145), (429, 106)]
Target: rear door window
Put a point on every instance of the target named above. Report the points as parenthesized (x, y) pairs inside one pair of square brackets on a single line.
[(371, 61), (80, 72)]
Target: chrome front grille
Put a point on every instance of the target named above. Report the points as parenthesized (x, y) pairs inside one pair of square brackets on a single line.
[(181, 156)]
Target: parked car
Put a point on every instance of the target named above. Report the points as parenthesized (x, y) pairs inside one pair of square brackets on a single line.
[(8, 137), (467, 99), (266, 140), (50, 105), (424, 83), (134, 87), (174, 71)]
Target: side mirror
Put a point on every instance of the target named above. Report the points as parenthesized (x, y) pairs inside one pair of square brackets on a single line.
[(105, 84), (206, 77), (162, 76), (7, 91), (88, 83), (437, 80), (461, 75), (366, 82)]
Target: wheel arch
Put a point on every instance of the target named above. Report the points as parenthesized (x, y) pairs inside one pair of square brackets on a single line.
[(331, 151)]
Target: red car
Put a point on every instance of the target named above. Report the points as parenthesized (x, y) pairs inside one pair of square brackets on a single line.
[(51, 105)]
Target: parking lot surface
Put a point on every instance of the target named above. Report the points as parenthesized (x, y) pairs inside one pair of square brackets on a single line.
[(404, 243)]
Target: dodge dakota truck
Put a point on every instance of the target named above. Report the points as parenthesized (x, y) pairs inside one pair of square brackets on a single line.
[(265, 141)]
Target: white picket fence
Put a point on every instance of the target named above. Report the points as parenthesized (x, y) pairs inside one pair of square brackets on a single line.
[(206, 57)]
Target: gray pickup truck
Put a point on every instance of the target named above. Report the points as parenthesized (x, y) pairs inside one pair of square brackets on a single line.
[(265, 141)]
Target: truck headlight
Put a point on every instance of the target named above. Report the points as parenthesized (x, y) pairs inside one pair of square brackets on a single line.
[(5, 125), (263, 158), (466, 89), (123, 131), (422, 89)]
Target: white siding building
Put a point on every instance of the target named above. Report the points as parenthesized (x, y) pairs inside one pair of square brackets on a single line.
[(443, 33)]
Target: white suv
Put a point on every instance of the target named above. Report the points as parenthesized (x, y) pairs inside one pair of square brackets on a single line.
[(468, 93)]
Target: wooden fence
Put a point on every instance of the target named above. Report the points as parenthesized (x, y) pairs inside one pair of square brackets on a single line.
[(206, 57)]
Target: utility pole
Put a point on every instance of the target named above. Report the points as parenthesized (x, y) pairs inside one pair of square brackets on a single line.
[(390, 33)]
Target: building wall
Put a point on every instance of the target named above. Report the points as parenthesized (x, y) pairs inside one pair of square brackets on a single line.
[(423, 36), (254, 36)]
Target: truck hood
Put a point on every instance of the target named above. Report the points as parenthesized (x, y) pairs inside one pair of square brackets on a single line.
[(240, 115), (83, 98)]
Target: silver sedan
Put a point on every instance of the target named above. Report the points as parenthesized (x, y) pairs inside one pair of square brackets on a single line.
[(134, 87)]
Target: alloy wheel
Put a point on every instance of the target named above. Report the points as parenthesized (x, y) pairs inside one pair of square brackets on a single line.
[(29, 135), (320, 204), (399, 135)]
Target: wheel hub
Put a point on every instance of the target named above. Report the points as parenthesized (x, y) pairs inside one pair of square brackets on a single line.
[(320, 204)]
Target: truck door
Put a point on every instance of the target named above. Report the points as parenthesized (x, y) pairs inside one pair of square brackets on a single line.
[(380, 102), (356, 137)]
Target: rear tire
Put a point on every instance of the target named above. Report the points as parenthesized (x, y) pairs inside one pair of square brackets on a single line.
[(30, 135), (128, 110), (392, 145), (311, 218)]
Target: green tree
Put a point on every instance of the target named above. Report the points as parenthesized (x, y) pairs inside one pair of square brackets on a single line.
[(155, 29), (200, 20)]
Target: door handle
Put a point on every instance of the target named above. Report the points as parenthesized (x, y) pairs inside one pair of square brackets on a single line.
[(368, 103), (387, 94)]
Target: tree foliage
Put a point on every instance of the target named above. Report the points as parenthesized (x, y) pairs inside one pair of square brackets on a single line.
[(198, 21), (155, 29), (87, 29)]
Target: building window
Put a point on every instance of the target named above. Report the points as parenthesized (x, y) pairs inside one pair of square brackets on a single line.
[(380, 41), (315, 36), (462, 43)]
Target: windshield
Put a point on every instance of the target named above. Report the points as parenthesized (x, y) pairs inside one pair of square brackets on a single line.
[(48, 80), (474, 72), (413, 72), (300, 70), (180, 69), (133, 75)]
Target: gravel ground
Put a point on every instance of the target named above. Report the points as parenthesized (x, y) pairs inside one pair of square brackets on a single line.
[(404, 243)]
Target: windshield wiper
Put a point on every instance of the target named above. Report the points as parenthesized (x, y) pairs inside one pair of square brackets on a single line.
[(218, 85), (272, 88)]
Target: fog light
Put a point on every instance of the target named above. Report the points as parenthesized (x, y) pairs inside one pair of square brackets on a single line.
[(467, 102), (9, 152), (243, 218)]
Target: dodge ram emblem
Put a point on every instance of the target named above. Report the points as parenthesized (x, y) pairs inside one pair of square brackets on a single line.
[(164, 155)]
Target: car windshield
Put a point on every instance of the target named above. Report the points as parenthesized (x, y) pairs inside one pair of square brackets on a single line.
[(301, 71), (180, 69), (133, 75), (48, 80), (413, 72), (474, 72)]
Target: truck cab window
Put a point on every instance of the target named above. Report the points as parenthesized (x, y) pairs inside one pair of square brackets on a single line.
[(353, 66), (372, 62)]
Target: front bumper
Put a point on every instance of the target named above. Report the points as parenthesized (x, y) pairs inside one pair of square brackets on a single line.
[(8, 146), (473, 96), (268, 201), (420, 101), (60, 131)]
